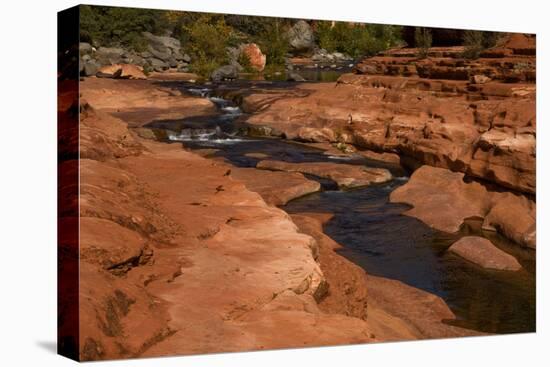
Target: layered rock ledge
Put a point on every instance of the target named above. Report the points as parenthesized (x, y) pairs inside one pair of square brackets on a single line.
[(476, 117), (443, 200), (345, 175)]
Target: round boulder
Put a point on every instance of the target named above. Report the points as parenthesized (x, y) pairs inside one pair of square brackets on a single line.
[(255, 56), (301, 38)]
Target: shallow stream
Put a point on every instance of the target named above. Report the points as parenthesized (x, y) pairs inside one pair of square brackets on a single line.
[(375, 234)]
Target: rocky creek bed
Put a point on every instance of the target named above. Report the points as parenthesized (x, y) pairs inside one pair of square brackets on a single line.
[(374, 232), (194, 184)]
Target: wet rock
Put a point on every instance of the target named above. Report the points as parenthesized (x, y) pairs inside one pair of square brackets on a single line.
[(226, 72), (345, 175), (295, 77), (483, 253)]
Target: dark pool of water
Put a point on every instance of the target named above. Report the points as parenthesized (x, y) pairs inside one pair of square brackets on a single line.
[(376, 235)]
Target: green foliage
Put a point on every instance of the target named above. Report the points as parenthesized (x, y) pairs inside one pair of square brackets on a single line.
[(422, 41), (273, 41), (477, 41), (115, 26), (473, 42), (206, 39), (356, 39)]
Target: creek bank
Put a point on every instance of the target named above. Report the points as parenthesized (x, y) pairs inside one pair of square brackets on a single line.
[(474, 118), (184, 249), (431, 117), (392, 310)]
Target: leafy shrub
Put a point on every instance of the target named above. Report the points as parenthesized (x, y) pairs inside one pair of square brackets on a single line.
[(473, 42), (477, 41), (273, 41), (356, 39), (422, 41), (206, 39)]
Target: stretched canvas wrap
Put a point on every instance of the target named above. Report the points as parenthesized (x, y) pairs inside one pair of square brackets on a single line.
[(234, 183)]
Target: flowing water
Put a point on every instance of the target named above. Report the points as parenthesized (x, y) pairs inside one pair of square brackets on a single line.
[(375, 234)]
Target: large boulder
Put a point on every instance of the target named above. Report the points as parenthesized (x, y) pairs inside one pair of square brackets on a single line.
[(255, 56), (515, 217), (301, 38), (90, 68), (294, 77), (482, 252), (226, 72), (162, 41), (164, 48), (84, 48), (157, 64), (109, 55)]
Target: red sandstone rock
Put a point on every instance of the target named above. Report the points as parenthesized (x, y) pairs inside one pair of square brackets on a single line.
[(255, 56), (139, 102), (345, 175), (443, 200), (168, 271), (515, 217), (483, 253), (121, 71), (275, 187), (435, 122), (391, 309)]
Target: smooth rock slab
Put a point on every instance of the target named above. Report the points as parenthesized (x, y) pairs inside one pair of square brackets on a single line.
[(483, 253), (345, 175), (441, 198), (276, 188)]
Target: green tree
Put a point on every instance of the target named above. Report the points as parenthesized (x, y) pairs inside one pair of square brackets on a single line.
[(206, 37), (477, 41), (116, 26), (356, 39)]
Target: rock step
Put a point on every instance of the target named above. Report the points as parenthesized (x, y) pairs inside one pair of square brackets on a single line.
[(345, 175), (483, 253)]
